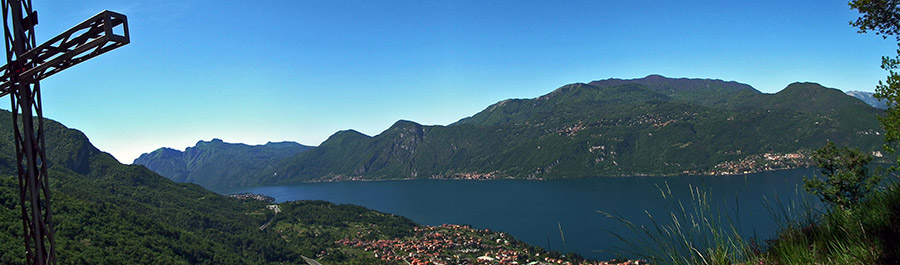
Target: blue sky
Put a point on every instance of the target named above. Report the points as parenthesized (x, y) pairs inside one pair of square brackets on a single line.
[(258, 71)]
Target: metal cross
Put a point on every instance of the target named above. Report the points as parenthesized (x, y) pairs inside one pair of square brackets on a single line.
[(26, 65)]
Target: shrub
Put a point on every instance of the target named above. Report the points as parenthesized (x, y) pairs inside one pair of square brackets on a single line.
[(845, 176)]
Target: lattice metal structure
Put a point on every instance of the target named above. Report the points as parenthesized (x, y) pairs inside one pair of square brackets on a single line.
[(26, 64)]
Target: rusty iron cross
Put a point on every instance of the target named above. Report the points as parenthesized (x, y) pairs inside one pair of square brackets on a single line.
[(26, 64)]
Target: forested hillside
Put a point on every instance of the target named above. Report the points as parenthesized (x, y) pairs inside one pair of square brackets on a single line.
[(648, 126)]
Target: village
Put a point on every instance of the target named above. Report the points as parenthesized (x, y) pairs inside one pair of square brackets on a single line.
[(460, 244), (252, 196), (760, 163), (468, 176)]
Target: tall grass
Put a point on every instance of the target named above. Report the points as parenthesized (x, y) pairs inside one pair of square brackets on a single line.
[(798, 212), (867, 233), (699, 232), (696, 232)]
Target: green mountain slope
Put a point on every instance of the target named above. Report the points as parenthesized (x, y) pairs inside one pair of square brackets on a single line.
[(216, 164), (654, 125), (109, 213)]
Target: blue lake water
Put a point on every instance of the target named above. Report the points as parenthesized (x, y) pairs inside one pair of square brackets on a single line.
[(534, 211)]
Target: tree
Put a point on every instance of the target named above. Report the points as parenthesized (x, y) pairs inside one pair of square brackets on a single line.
[(880, 16), (846, 176), (883, 18)]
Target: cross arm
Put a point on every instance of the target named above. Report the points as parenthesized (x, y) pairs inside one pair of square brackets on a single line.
[(96, 35)]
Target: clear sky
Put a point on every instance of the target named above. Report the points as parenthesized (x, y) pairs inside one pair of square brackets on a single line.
[(258, 71)]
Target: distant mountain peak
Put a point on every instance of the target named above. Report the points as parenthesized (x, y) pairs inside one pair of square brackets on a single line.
[(804, 85), (216, 163), (169, 149), (215, 141), (810, 91), (810, 97), (345, 135), (655, 77), (806, 88), (868, 98), (654, 80), (349, 132), (405, 124)]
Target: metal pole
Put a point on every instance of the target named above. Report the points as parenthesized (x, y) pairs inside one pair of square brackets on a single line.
[(25, 98)]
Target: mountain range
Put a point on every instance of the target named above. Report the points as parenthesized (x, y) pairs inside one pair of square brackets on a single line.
[(647, 126), (105, 212), (868, 98), (216, 163), (108, 213)]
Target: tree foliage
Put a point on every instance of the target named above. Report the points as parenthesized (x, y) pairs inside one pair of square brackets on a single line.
[(883, 18), (880, 16), (846, 176)]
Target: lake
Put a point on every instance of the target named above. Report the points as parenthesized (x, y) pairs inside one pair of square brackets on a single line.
[(534, 211)]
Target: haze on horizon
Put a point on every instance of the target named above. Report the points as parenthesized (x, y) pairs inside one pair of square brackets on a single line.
[(302, 70)]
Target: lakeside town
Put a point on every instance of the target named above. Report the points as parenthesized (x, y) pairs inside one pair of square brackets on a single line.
[(252, 196), (762, 162), (468, 176), (461, 244)]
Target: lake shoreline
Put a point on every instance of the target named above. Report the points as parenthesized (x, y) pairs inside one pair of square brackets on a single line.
[(536, 211), (230, 190), (362, 179)]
